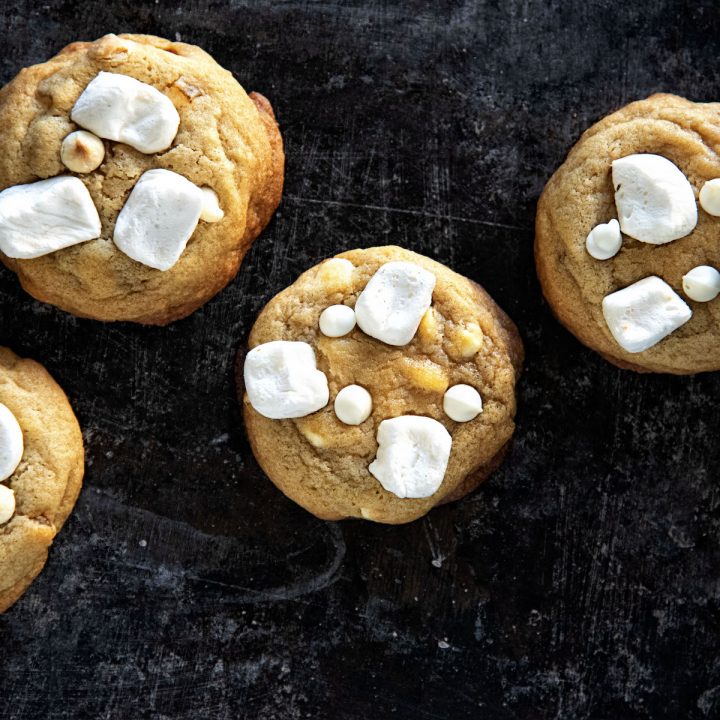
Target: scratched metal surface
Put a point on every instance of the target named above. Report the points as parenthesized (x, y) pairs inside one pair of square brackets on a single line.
[(580, 582)]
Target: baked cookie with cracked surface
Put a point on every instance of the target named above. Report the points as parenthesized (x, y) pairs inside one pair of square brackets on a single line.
[(136, 172), (626, 242), (41, 470), (378, 385)]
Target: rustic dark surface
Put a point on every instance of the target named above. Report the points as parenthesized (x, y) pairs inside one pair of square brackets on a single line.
[(582, 581)]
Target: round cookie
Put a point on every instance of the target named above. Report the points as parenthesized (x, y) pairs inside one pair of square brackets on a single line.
[(463, 338), (48, 479), (226, 140), (580, 196)]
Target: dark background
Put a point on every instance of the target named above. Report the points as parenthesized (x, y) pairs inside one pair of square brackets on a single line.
[(582, 581)]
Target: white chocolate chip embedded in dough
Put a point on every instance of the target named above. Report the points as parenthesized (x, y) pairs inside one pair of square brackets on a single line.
[(336, 274), (702, 283), (158, 218), (462, 403), (412, 457), (7, 504), (82, 152), (45, 216), (394, 301), (710, 197), (121, 108), (604, 240), (211, 211), (642, 314), (655, 201), (337, 320), (353, 405), (11, 443), (282, 380)]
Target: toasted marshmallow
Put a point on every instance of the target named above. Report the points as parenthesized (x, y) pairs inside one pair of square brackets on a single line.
[(82, 152), (337, 320), (211, 211), (462, 403), (710, 197), (655, 201), (393, 302), (121, 108), (353, 405), (702, 283), (642, 314), (604, 240), (158, 218), (45, 216), (413, 453), (7, 504), (11, 443), (282, 380)]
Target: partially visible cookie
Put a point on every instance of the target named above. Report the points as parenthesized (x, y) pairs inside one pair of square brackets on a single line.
[(37, 497), (626, 255), (391, 389)]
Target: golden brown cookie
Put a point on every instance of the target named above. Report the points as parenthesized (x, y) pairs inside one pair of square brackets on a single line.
[(464, 338), (48, 479), (226, 140), (580, 195)]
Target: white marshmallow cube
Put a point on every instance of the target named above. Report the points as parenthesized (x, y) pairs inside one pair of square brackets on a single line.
[(702, 283), (11, 443), (42, 217), (337, 320), (353, 405), (604, 240), (655, 201), (393, 302), (710, 197), (412, 457), (7, 504), (211, 211), (121, 108), (462, 403), (642, 314), (158, 218), (282, 380)]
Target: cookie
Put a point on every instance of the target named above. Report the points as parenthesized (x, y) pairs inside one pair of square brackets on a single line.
[(39, 486), (626, 241), (136, 174), (351, 413)]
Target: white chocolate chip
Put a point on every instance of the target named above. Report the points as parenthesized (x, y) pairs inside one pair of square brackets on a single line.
[(121, 108), (82, 152), (413, 453), (604, 240), (353, 405), (7, 504), (158, 219), (710, 197), (462, 403), (45, 216), (655, 201), (211, 211), (337, 320), (394, 301), (11, 443), (282, 380), (642, 314), (702, 283)]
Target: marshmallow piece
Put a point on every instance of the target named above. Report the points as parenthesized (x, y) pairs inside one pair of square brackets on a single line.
[(282, 380), (121, 108), (412, 456), (462, 403), (710, 197), (82, 152), (337, 320), (702, 283), (211, 211), (7, 504), (604, 240), (642, 314), (394, 301), (158, 218), (353, 405), (654, 199), (11, 443), (45, 216)]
